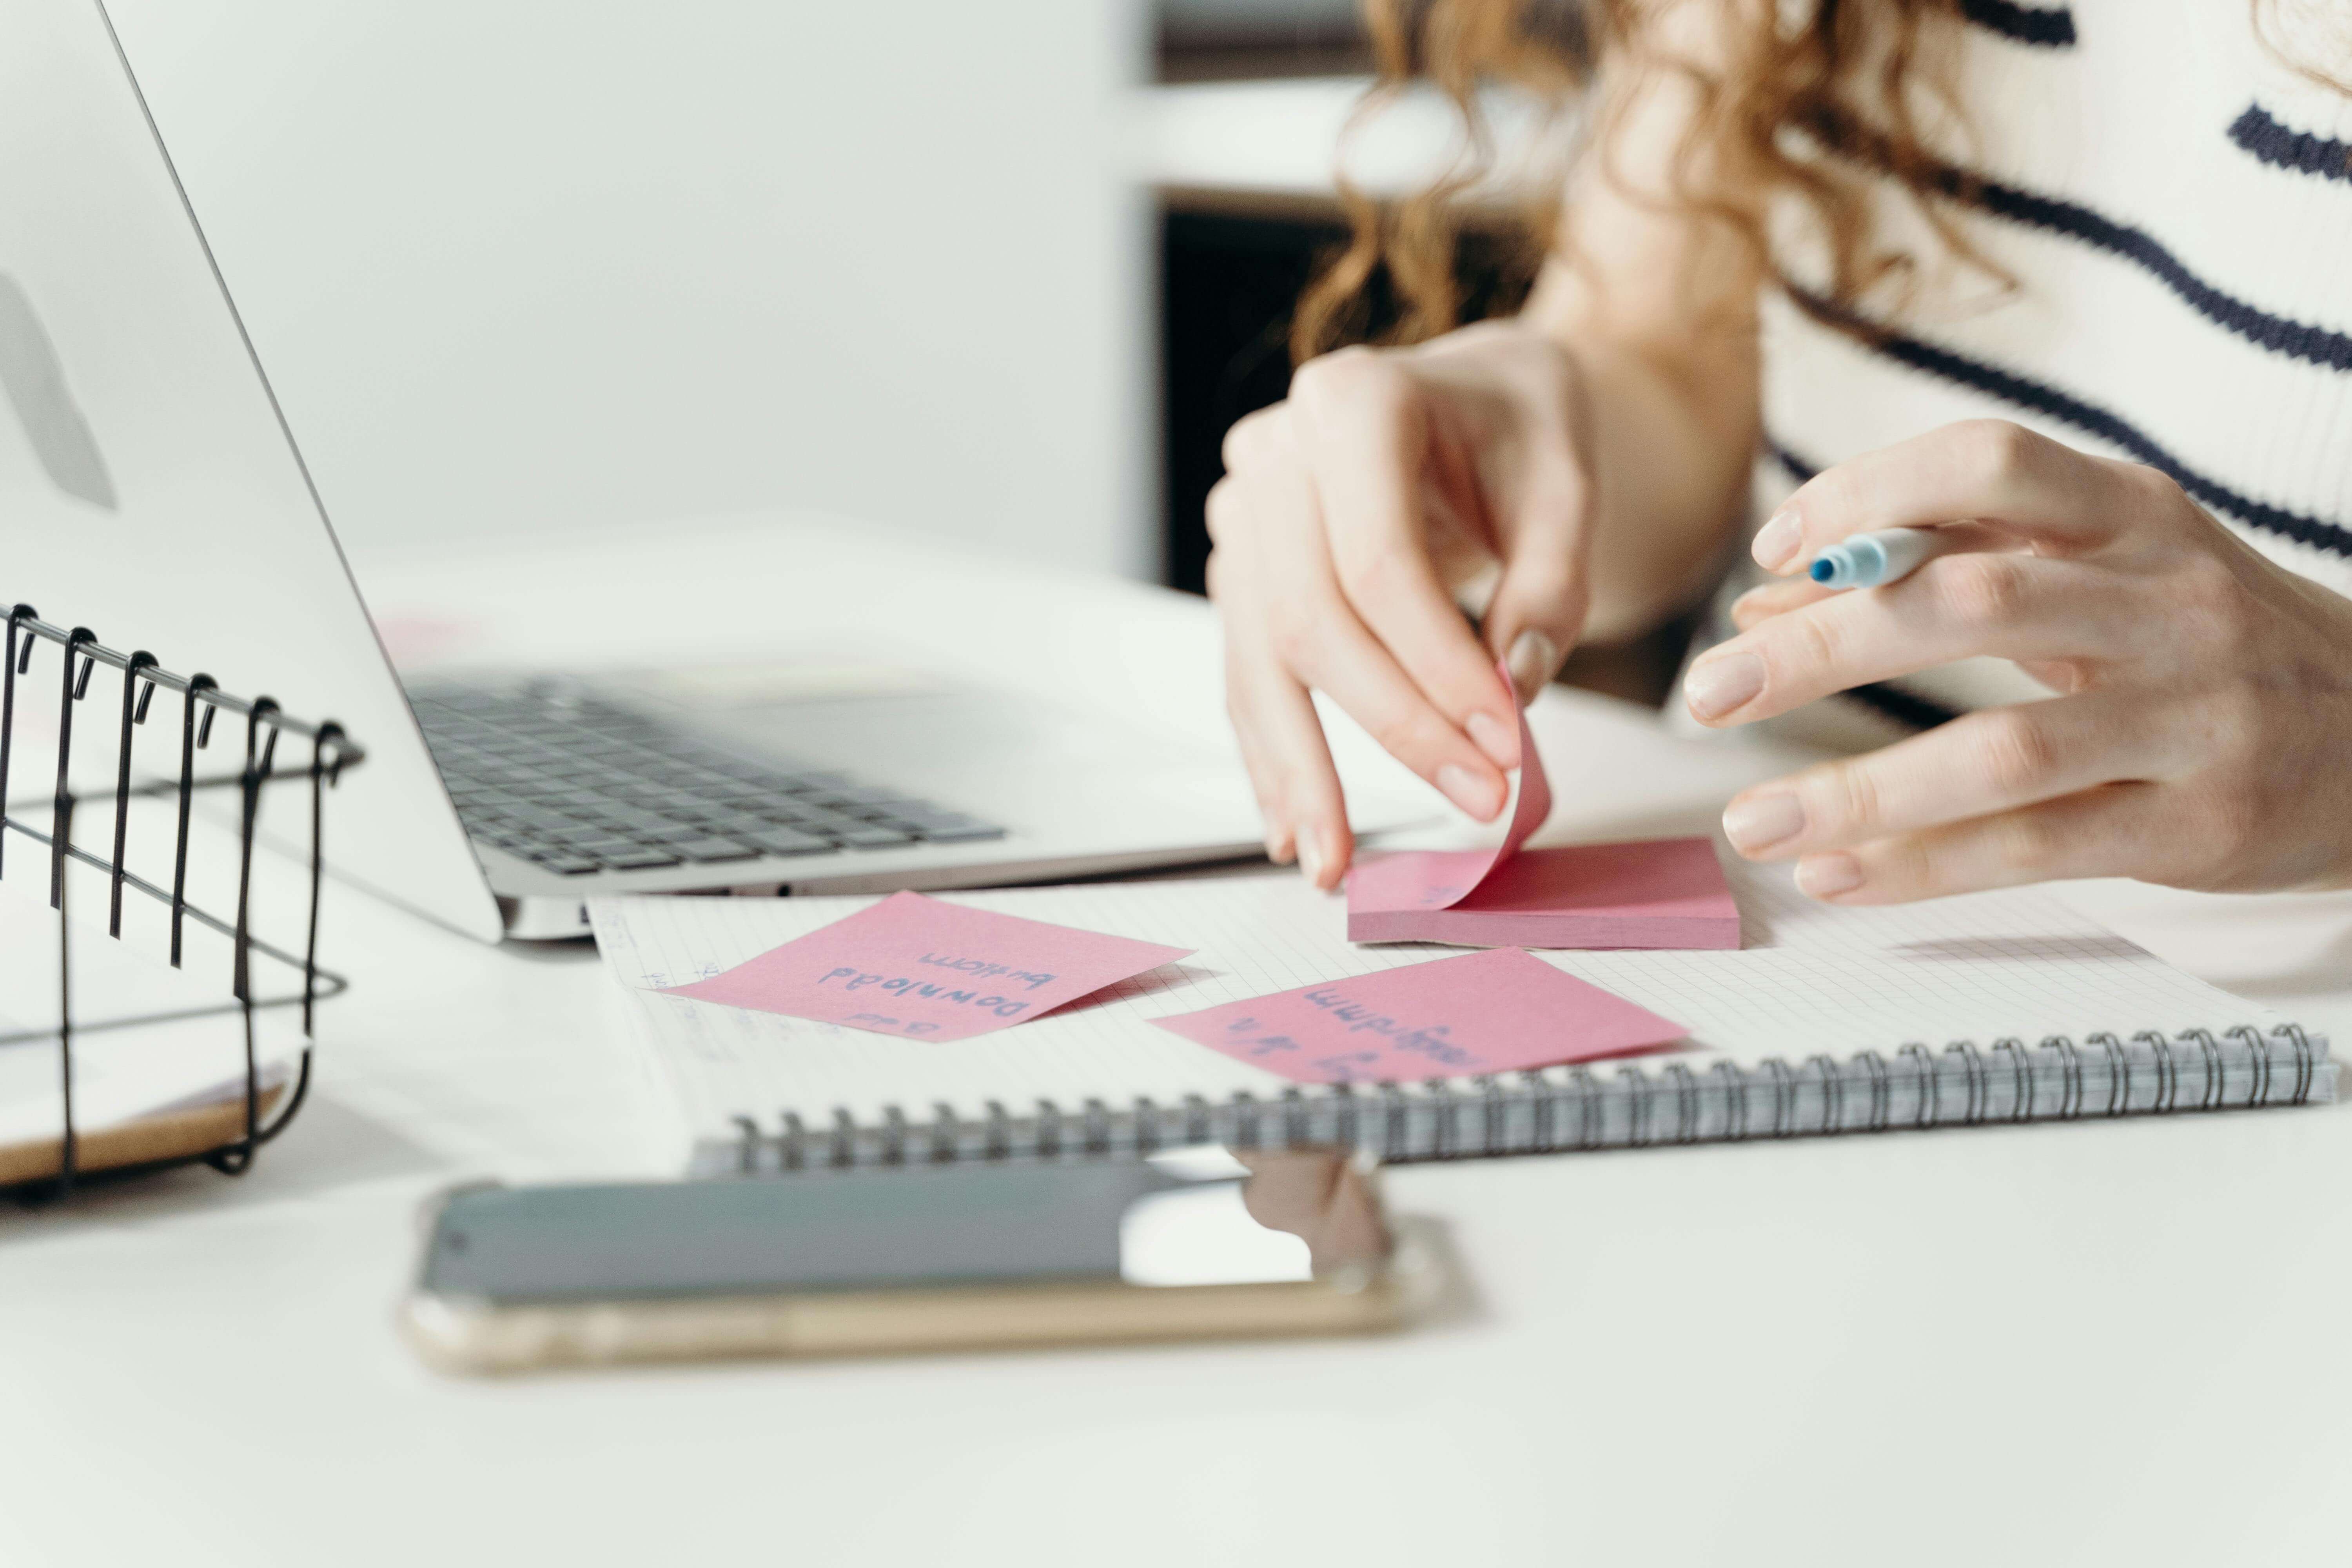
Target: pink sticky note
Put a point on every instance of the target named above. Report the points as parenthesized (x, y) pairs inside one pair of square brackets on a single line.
[(930, 970), (1453, 1017), (1660, 892)]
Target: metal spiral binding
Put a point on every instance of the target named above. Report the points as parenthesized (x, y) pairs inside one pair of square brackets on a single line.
[(1778, 1071), (2021, 1078), (1832, 1094), (1931, 1087), (2118, 1073), (2210, 1049), (1881, 1098), (1686, 1102), (1443, 1122), (2304, 1063), (2070, 1096), (1972, 1064), (1735, 1099), (2168, 1076), (2245, 1035), (1576, 1109)]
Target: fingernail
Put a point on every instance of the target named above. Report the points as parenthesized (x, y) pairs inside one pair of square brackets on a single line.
[(1827, 876), (1777, 540), (1716, 686), (1533, 660), (1310, 859), (1481, 798), (1501, 745), (1277, 848), (1762, 821)]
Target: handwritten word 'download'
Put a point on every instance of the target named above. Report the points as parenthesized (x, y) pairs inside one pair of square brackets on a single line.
[(913, 966), (909, 987)]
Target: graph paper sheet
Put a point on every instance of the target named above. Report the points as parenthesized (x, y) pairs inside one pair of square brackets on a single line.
[(1811, 979)]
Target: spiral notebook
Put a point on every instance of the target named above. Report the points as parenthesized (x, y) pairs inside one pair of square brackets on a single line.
[(1990, 1007)]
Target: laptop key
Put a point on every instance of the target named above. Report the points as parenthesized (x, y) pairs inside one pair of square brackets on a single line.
[(735, 825), (640, 859), (702, 851), (605, 848), (785, 841), (679, 833), (569, 865), (966, 830), (933, 824), (866, 835)]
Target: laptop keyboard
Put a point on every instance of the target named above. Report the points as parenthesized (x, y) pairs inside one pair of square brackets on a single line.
[(578, 787)]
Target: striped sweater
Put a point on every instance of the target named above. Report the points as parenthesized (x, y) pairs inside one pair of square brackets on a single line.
[(2175, 203)]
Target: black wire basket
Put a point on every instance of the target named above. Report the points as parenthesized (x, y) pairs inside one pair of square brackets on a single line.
[(193, 903)]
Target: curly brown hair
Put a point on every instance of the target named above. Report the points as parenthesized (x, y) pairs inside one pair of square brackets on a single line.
[(1822, 100), (1819, 103)]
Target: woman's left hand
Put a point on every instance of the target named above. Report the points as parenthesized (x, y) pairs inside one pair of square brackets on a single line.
[(2203, 736)]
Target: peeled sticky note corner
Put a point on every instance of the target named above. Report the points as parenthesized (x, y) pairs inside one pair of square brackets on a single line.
[(1656, 893), (925, 969), (1503, 1011)]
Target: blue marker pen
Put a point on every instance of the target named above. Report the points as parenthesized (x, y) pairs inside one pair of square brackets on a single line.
[(1875, 559)]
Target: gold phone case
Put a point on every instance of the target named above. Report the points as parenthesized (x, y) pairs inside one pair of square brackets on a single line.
[(1369, 1277)]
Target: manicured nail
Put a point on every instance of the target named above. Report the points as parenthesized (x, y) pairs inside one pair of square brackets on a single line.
[(1777, 540), (1759, 822), (1481, 798), (1310, 859), (1827, 876), (1500, 744), (1716, 686), (1533, 660)]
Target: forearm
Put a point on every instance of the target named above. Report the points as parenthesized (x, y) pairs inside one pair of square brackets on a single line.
[(1655, 301), (1671, 452)]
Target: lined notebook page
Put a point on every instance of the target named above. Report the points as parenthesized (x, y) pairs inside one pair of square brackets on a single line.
[(1810, 979)]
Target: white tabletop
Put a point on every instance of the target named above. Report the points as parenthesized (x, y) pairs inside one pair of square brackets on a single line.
[(2106, 1344)]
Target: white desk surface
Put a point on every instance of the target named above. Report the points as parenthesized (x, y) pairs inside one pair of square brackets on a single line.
[(2108, 1343)]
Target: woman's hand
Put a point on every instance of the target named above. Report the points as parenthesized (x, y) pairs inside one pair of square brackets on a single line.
[(2203, 736), (1349, 518)]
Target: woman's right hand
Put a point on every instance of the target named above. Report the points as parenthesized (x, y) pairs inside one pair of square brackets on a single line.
[(1349, 518)]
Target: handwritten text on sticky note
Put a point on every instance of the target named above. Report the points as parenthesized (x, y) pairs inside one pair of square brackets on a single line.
[(930, 970), (1482, 1012)]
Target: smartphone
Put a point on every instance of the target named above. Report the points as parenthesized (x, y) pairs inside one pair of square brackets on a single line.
[(1191, 1243)]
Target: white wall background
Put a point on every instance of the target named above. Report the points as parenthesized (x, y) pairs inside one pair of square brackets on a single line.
[(536, 264)]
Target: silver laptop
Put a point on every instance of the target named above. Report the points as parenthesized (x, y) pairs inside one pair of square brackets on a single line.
[(151, 491)]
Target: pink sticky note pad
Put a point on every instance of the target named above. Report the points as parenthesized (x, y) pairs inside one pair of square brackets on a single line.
[(1661, 892), (926, 969), (1454, 1017)]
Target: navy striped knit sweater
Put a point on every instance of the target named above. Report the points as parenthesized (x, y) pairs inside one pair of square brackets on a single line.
[(2175, 202)]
